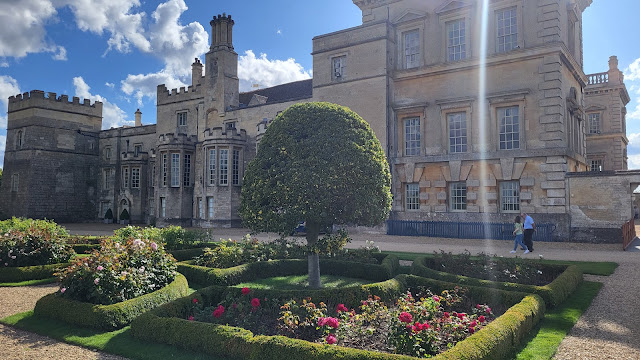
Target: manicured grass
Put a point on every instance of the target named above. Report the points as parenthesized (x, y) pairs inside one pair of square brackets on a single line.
[(556, 323), (297, 282), (118, 342), (604, 268), (29, 282)]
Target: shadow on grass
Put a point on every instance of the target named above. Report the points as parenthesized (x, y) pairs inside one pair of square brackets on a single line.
[(119, 342), (556, 324)]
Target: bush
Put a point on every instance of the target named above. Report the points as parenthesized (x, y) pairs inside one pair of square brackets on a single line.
[(232, 253), (175, 237), (108, 317), (109, 214), (119, 271), (21, 224), (34, 246), (25, 273)]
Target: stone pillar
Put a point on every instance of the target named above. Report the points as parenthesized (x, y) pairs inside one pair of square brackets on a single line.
[(196, 72), (615, 75), (138, 118)]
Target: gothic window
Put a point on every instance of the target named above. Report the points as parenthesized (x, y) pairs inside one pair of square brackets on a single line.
[(135, 178), (509, 196), (507, 29), (412, 197), (19, 139), (458, 196), (509, 127), (412, 49), (594, 123), (338, 67), (412, 136), (175, 169), (224, 167), (456, 40), (212, 167), (186, 175), (182, 118), (457, 123)]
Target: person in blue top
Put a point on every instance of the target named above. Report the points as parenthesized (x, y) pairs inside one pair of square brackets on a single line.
[(529, 229)]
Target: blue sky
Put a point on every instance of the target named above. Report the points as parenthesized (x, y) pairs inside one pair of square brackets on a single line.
[(118, 51)]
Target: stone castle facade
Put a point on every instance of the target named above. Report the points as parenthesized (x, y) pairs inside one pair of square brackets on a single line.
[(412, 70)]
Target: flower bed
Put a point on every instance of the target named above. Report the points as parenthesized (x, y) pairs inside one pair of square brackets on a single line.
[(553, 293), (170, 324)]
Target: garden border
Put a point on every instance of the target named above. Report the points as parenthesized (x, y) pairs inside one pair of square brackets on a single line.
[(168, 324), (554, 293), (109, 317), (25, 273)]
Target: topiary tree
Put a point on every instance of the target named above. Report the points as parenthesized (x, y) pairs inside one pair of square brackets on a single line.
[(320, 163), (108, 215), (124, 215)]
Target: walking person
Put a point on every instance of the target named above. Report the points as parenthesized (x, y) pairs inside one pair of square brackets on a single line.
[(529, 229), (518, 232)]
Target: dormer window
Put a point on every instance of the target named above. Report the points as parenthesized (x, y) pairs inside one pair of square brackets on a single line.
[(339, 65), (182, 118)]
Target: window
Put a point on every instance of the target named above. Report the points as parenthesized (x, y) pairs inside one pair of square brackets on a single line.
[(224, 167), (200, 209), (186, 175), (412, 201), (175, 169), (338, 67), (107, 153), (235, 167), (510, 196), (125, 177), (456, 46), (509, 127), (507, 29), (212, 167), (19, 139), (412, 136), (15, 179), (151, 207), (153, 176), (230, 125), (412, 49), (137, 149), (163, 207), (458, 196), (210, 207), (165, 167), (107, 179), (182, 118), (457, 132), (135, 178), (595, 165), (594, 123)]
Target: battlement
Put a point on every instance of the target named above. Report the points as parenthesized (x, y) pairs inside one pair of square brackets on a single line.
[(171, 138), (164, 96), (223, 133), (37, 98)]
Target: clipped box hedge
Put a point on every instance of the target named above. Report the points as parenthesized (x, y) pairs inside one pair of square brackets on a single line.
[(25, 273), (497, 341), (202, 275), (554, 293), (109, 317)]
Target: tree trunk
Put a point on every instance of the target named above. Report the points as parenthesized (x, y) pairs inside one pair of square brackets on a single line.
[(313, 260)]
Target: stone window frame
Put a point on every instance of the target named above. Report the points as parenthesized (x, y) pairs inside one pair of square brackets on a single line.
[(597, 160), (200, 208), (455, 108), (212, 166), (182, 115), (460, 48), (455, 195), (401, 31), (15, 182), (504, 101), (152, 206), (135, 180), (19, 139), (448, 18), (504, 197), (493, 35), (137, 149), (152, 182), (341, 74), (598, 129), (417, 142), (107, 153), (210, 207), (236, 155), (412, 196), (108, 178), (104, 207), (125, 177), (164, 158), (402, 114), (186, 170), (175, 170), (223, 166), (163, 207)]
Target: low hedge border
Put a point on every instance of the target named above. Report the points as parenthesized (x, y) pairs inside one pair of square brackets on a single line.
[(554, 293), (186, 254), (109, 317), (25, 273), (85, 248), (168, 324), (201, 275)]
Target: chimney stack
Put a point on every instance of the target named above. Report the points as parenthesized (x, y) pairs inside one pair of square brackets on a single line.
[(138, 118), (196, 72), (222, 31)]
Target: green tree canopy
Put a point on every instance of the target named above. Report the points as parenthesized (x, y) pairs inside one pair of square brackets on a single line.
[(320, 163)]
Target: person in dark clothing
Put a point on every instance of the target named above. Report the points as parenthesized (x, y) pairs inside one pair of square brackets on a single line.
[(529, 229)]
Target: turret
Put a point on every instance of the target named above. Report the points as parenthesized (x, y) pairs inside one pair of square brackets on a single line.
[(222, 31), (221, 75)]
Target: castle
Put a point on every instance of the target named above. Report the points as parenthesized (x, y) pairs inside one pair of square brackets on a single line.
[(525, 142)]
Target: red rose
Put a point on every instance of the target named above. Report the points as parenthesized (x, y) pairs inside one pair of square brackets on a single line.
[(333, 322), (405, 317), (414, 329), (342, 308), (473, 323), (218, 311), (446, 314), (191, 318), (331, 339), (488, 309), (471, 330), (255, 302), (195, 301), (481, 318), (245, 290)]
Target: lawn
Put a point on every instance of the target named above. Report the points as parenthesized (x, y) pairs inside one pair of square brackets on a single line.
[(299, 282)]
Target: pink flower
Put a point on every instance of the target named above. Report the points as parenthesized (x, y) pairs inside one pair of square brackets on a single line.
[(154, 246), (473, 323), (481, 318), (322, 322), (255, 302), (218, 311), (333, 322), (435, 298), (63, 290), (191, 318), (342, 308), (245, 290), (100, 268), (331, 339), (405, 317), (471, 330), (446, 314), (488, 309), (96, 281), (478, 306), (235, 306), (195, 301)]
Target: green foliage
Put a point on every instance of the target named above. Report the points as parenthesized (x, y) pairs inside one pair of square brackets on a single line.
[(26, 273), (317, 162), (299, 282), (35, 246), (119, 271), (232, 253), (22, 224), (175, 237), (124, 215), (108, 317), (109, 214)]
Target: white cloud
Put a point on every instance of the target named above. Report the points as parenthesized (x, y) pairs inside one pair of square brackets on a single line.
[(60, 54), (142, 86), (634, 114), (4, 63), (108, 84), (279, 32), (266, 73), (8, 87), (112, 115), (634, 139), (3, 144), (632, 72), (633, 162), (22, 27)]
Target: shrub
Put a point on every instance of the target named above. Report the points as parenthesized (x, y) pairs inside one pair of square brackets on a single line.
[(175, 237), (119, 271), (232, 253), (124, 215), (34, 246), (21, 224), (109, 214)]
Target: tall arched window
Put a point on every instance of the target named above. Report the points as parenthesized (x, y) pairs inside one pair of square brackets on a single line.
[(19, 139)]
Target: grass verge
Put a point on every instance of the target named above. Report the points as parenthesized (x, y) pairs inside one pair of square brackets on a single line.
[(300, 282), (556, 324), (604, 268), (29, 282), (119, 342)]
